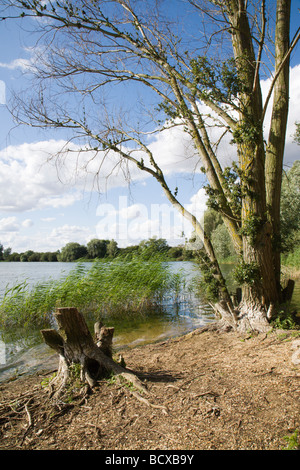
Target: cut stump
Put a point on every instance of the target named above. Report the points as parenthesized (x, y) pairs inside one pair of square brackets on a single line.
[(75, 345)]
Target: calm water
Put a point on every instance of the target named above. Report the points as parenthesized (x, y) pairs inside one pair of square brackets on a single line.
[(13, 273), (26, 354)]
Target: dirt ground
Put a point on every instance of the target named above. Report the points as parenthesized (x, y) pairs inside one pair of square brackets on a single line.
[(209, 390)]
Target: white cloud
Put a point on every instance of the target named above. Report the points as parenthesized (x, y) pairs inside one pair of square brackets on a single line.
[(174, 152), (2, 92), (64, 234), (48, 219), (29, 182), (197, 204), (9, 224), (27, 223), (292, 152), (23, 64), (42, 240), (129, 224)]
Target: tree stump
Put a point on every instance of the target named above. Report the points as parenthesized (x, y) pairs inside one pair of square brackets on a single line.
[(75, 345)]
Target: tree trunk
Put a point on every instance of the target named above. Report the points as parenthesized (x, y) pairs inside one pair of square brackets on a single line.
[(75, 345), (259, 288), (276, 143)]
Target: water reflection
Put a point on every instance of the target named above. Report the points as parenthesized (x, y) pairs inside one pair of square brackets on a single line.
[(23, 351)]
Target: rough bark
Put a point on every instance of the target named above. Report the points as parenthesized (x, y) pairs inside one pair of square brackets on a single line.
[(75, 345), (256, 230), (276, 143)]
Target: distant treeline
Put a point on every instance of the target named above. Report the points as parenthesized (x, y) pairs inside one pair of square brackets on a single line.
[(97, 249)]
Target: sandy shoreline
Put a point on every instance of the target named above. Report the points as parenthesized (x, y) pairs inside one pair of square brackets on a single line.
[(222, 391)]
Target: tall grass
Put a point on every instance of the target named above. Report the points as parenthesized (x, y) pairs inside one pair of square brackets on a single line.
[(106, 289)]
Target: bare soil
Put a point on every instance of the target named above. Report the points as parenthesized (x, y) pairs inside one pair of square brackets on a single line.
[(210, 390)]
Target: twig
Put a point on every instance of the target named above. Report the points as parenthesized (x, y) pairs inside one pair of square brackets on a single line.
[(214, 394), (186, 382), (28, 415), (164, 409)]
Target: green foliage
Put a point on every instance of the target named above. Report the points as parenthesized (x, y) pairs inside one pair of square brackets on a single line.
[(101, 249), (97, 248), (217, 80), (233, 177), (297, 133), (292, 441), (152, 246), (222, 243), (208, 285), (112, 249), (72, 251), (211, 221), (290, 209), (284, 320), (246, 273), (292, 259), (251, 227), (168, 110), (246, 133), (121, 286)]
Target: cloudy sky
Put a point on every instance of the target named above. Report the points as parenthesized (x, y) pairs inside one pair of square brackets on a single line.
[(43, 207)]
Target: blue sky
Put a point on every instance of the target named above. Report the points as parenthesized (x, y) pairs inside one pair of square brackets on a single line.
[(42, 213)]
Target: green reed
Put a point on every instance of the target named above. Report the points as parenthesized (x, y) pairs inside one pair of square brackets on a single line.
[(105, 289)]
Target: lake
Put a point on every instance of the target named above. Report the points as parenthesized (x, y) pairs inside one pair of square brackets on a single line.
[(27, 353)]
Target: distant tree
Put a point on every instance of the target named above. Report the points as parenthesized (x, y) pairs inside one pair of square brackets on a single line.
[(297, 133), (290, 208), (129, 251), (24, 257), (52, 256), (222, 242), (97, 248), (35, 256), (211, 220), (153, 246), (1, 252), (175, 252), (15, 257), (6, 254), (48, 256), (72, 251), (112, 249)]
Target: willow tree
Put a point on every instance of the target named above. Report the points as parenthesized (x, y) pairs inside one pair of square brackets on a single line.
[(200, 69)]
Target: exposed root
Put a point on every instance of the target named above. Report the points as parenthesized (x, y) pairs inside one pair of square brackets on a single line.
[(245, 317), (164, 409), (253, 318)]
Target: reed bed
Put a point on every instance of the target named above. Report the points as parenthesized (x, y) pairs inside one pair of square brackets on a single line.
[(105, 289)]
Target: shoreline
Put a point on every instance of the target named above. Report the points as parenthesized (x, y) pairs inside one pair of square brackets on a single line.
[(223, 391)]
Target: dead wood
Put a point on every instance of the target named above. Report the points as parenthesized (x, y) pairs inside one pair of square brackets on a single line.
[(75, 345)]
